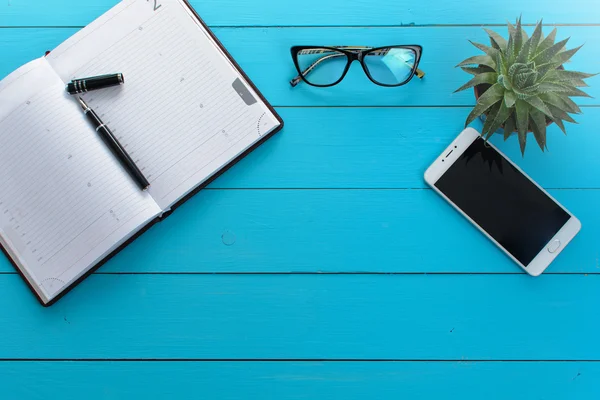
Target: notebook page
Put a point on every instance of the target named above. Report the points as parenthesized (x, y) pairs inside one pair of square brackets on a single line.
[(180, 112), (65, 201), (16, 86)]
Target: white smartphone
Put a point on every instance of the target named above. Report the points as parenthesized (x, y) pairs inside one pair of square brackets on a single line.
[(505, 204)]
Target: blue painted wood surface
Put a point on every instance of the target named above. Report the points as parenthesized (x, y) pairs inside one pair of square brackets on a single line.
[(325, 244), (254, 48), (318, 12), (304, 380), (308, 316)]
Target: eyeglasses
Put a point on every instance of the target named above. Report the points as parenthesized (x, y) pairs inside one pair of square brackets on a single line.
[(324, 66)]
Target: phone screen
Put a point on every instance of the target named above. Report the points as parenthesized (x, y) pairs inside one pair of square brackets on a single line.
[(502, 201)]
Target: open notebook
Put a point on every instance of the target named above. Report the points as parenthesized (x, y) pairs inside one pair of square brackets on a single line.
[(185, 114)]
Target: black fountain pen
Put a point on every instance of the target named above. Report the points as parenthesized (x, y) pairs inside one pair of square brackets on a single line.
[(112, 142)]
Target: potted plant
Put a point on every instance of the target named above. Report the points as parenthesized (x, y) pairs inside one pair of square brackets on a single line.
[(521, 84)]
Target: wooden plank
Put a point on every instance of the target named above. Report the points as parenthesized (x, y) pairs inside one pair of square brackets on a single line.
[(315, 12), (337, 231), (264, 55), (403, 317), (301, 380), (391, 148)]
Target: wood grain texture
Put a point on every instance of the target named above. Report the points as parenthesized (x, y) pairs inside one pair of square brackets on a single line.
[(389, 148), (336, 231), (404, 317), (339, 191), (392, 148), (264, 54), (315, 12), (300, 380)]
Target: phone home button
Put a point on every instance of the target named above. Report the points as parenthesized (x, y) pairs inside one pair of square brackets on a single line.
[(555, 245)]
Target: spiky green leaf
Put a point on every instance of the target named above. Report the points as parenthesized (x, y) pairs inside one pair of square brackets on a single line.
[(500, 117), (564, 75), (489, 120), (560, 114), (531, 80), (544, 69), (501, 64), (567, 78), (547, 42), (490, 51), (547, 55), (577, 83), (522, 142), (571, 107), (518, 40), (538, 104), (538, 126), (510, 98), (522, 119), (485, 78), (476, 70), (547, 87), (523, 56), (535, 39), (479, 60), (509, 126), (560, 124), (565, 56), (532, 90), (510, 46), (496, 40), (525, 35), (561, 102), (504, 81), (574, 92), (511, 29), (491, 96)]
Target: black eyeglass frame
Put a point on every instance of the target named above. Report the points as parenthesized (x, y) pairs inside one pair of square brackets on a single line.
[(354, 53)]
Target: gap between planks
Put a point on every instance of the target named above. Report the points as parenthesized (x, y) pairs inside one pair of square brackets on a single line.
[(277, 360), (409, 106), (290, 273), (321, 26)]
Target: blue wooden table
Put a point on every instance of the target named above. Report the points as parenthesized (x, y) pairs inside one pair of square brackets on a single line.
[(321, 267)]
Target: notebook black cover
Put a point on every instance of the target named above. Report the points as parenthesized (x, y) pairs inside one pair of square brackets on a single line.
[(183, 200)]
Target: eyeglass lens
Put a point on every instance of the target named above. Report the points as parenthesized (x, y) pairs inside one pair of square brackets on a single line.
[(390, 66), (328, 65)]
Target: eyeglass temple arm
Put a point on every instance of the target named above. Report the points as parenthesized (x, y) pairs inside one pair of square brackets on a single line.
[(294, 82)]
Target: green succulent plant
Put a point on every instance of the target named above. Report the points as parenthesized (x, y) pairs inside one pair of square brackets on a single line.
[(526, 86)]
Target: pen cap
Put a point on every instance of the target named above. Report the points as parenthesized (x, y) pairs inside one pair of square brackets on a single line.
[(94, 83)]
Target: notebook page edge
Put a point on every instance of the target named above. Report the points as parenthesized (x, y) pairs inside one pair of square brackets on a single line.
[(21, 265), (17, 73), (201, 182), (108, 253), (35, 85), (205, 29), (14, 88), (55, 57)]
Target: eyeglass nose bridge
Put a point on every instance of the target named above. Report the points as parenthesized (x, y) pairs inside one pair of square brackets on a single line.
[(355, 56)]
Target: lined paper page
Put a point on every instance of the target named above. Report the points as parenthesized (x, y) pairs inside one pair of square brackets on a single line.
[(65, 201), (179, 113)]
